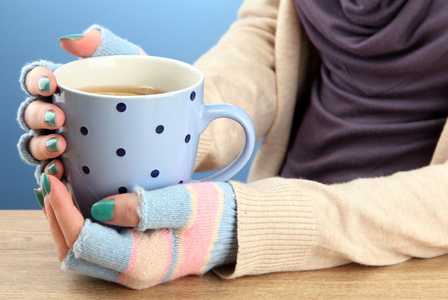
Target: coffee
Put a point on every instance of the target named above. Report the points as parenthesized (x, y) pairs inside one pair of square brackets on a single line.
[(116, 90)]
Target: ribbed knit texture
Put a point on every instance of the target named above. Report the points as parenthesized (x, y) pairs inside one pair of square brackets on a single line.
[(278, 227), (184, 229)]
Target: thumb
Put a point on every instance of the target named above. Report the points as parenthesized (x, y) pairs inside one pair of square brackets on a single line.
[(120, 210), (168, 207), (81, 45), (98, 41)]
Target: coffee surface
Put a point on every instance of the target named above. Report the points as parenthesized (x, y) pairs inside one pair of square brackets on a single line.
[(116, 90)]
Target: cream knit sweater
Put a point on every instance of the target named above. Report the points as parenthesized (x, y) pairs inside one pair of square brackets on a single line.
[(294, 224)]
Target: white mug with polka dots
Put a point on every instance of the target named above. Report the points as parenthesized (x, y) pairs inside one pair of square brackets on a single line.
[(117, 142)]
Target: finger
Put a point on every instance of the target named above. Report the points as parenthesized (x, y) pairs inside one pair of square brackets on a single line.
[(81, 45), (55, 168), (40, 199), (98, 41), (170, 207), (67, 215), (81, 266), (62, 248), (47, 147), (41, 81), (120, 210), (43, 115)]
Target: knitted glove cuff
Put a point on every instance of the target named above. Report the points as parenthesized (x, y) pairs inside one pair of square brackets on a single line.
[(26, 156), (28, 67), (24, 151), (112, 44)]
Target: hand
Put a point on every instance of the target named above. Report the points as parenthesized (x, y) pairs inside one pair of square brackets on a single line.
[(180, 230), (39, 115)]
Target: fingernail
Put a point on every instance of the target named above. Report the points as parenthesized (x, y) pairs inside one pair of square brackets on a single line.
[(52, 169), (103, 210), (39, 197), (50, 118), (72, 37), (44, 84), (52, 144), (45, 184)]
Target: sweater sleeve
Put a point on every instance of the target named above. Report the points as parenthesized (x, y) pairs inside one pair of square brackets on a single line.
[(240, 70), (296, 225)]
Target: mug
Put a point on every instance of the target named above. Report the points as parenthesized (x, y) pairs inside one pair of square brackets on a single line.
[(117, 142)]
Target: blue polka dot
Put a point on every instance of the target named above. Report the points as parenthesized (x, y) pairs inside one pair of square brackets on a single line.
[(187, 138), (122, 190), (155, 173), (121, 152), (121, 107), (160, 129), (86, 169), (180, 182), (192, 95), (84, 130)]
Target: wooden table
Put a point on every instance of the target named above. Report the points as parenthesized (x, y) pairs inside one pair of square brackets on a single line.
[(29, 269)]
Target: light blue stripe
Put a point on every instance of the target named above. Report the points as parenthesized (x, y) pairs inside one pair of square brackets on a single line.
[(225, 247), (174, 257)]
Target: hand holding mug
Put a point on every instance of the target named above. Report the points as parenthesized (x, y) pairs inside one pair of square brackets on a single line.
[(41, 145), (204, 211), (43, 115)]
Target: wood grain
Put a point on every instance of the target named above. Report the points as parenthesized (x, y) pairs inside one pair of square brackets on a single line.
[(29, 269)]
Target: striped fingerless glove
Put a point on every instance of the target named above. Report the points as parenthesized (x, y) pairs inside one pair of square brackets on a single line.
[(184, 229)]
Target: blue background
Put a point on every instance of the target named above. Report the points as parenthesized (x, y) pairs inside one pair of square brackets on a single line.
[(30, 29)]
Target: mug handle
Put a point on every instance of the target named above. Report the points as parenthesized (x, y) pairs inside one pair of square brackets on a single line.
[(216, 111)]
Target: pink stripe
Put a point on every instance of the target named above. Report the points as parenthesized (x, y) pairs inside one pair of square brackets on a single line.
[(169, 236), (133, 258), (196, 239)]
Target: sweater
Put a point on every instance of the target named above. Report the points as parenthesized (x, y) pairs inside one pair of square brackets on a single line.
[(261, 64)]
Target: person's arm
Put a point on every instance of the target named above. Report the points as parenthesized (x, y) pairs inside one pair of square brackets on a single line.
[(295, 225), (277, 225), (240, 70)]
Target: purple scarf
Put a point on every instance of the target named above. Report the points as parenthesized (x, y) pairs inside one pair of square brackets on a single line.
[(380, 100)]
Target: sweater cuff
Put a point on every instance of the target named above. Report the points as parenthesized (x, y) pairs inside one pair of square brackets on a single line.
[(276, 228)]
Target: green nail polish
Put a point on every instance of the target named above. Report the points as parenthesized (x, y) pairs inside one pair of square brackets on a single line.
[(52, 144), (45, 184), (103, 210), (52, 169), (44, 84), (39, 197), (72, 37), (50, 118)]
